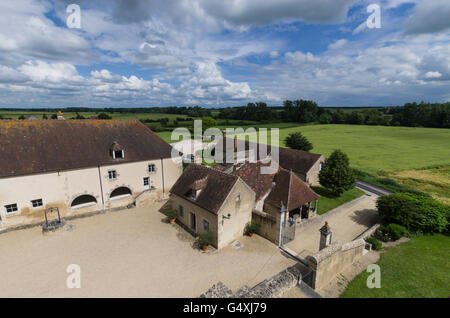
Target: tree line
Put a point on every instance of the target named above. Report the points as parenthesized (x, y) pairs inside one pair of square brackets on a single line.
[(305, 111)]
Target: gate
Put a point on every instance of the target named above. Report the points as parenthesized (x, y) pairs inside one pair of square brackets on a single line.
[(288, 232)]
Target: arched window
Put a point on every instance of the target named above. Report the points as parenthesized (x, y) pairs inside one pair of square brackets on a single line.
[(120, 192), (83, 201)]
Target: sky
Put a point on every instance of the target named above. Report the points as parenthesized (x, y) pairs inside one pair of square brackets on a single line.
[(213, 53)]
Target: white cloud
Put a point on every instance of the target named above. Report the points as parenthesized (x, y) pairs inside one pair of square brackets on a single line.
[(338, 44), (433, 75)]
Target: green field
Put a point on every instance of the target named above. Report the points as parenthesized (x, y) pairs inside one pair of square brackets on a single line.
[(328, 202), (379, 149), (419, 268)]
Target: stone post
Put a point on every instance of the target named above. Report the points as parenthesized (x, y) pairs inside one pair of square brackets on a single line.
[(325, 236)]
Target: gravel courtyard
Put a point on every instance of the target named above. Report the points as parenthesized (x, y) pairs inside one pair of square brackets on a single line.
[(129, 253)]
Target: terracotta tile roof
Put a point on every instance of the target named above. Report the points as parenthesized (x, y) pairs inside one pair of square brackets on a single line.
[(297, 160), (290, 191), (216, 186), (30, 147), (251, 174), (285, 186)]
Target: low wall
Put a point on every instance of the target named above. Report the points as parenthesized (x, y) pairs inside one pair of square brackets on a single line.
[(275, 286), (332, 260), (268, 224)]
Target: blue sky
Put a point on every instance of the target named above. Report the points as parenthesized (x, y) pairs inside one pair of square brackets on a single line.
[(131, 53)]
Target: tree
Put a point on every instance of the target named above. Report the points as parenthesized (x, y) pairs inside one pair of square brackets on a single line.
[(208, 122), (103, 116), (44, 116), (336, 173), (297, 141)]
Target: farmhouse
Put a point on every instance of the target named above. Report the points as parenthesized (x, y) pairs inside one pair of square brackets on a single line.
[(79, 167), (224, 202), (305, 165)]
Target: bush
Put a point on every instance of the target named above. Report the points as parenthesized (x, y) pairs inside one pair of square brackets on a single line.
[(415, 212), (205, 239), (252, 227), (376, 245), (171, 214), (396, 231)]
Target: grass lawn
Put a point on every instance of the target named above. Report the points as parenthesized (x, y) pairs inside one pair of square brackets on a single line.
[(328, 202), (419, 268)]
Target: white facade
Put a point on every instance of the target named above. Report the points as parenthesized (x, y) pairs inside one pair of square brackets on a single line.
[(96, 184)]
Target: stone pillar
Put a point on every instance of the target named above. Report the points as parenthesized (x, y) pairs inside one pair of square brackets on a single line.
[(325, 236), (280, 225)]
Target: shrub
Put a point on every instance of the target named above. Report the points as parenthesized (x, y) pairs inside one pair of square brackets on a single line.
[(376, 245), (205, 239), (415, 212), (171, 214), (396, 231), (252, 227), (382, 234), (104, 116)]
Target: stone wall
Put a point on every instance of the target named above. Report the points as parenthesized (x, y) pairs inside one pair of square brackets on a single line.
[(268, 224), (273, 287), (332, 260)]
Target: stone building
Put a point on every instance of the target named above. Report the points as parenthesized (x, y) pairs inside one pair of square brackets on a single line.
[(208, 200), (306, 165), (79, 166)]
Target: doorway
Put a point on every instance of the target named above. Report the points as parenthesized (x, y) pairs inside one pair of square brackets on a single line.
[(146, 183), (193, 222)]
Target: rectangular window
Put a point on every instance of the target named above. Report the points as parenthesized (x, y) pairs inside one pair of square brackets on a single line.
[(112, 175), (181, 211), (37, 203), (11, 208), (152, 168), (205, 225)]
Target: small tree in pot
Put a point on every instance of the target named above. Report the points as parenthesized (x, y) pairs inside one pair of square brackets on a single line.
[(205, 239), (251, 228), (171, 215)]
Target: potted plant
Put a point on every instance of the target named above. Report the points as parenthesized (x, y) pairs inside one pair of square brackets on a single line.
[(171, 215), (251, 228), (205, 239)]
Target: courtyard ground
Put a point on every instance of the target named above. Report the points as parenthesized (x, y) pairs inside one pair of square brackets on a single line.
[(347, 222), (129, 253)]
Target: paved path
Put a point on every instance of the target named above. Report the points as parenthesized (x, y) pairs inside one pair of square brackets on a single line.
[(346, 222)]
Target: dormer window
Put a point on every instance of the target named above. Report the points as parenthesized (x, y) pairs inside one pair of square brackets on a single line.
[(117, 151), (118, 154)]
